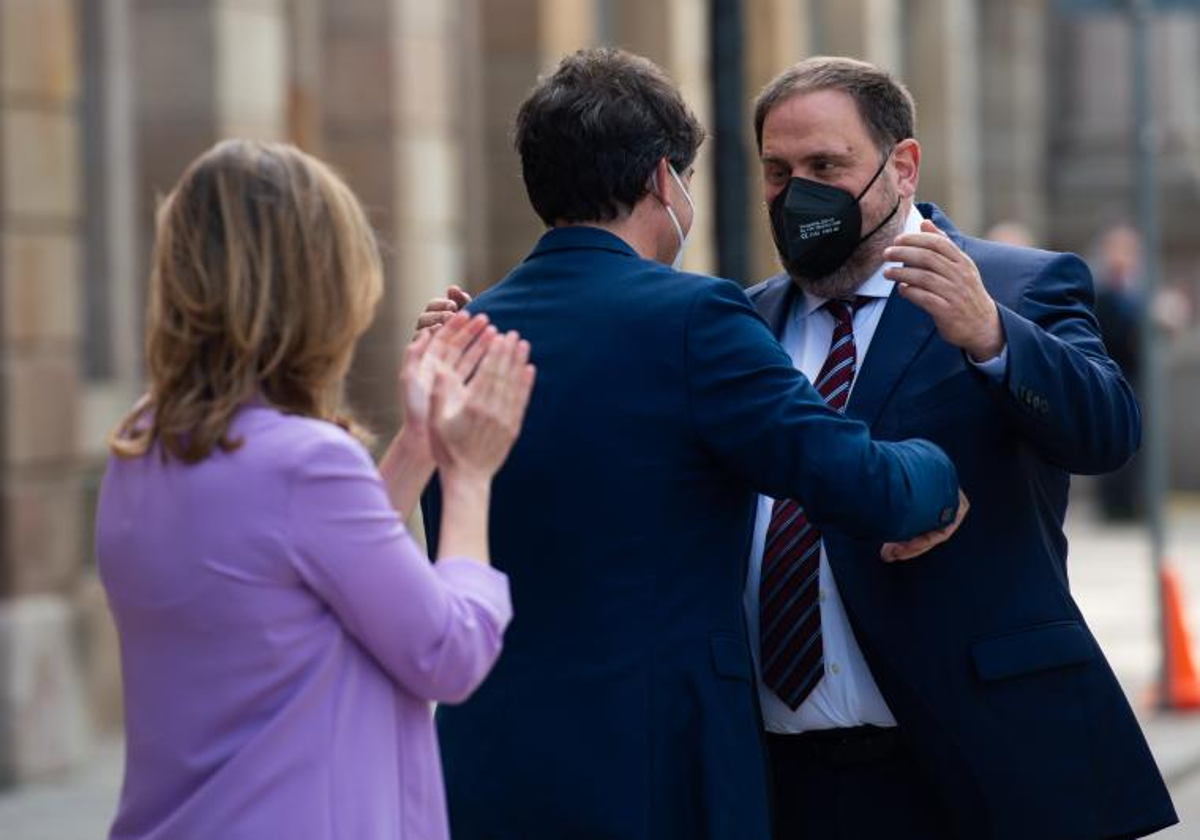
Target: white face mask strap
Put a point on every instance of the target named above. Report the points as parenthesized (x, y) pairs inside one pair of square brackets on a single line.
[(682, 189), (678, 261)]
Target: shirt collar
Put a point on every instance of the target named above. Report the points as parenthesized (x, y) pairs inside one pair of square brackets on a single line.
[(875, 286)]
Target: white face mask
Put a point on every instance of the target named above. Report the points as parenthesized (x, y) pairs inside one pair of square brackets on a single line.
[(678, 261)]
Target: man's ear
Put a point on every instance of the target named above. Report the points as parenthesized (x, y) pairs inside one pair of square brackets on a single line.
[(660, 179), (906, 160)]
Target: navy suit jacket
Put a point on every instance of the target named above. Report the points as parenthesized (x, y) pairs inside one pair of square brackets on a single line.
[(623, 705), (978, 646)]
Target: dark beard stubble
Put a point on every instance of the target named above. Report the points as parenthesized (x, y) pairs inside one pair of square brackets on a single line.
[(843, 282)]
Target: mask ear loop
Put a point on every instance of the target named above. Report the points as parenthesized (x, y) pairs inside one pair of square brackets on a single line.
[(675, 264), (875, 177), (870, 183)]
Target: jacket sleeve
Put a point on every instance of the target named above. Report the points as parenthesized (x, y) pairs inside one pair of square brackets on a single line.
[(1062, 391), (435, 628), (766, 423)]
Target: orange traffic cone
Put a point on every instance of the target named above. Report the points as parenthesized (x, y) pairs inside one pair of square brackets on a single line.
[(1181, 683)]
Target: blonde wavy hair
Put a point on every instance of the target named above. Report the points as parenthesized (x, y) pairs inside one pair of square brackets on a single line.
[(265, 273)]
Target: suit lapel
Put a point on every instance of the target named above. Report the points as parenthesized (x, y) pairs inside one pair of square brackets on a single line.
[(902, 333), (774, 302)]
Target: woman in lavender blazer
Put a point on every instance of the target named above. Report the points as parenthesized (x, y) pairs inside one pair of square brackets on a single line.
[(282, 635)]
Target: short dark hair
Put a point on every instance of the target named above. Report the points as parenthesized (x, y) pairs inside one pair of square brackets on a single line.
[(884, 104), (591, 132)]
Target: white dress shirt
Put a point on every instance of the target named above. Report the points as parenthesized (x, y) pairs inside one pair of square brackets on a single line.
[(846, 695)]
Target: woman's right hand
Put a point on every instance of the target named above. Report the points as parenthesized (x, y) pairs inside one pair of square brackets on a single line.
[(474, 424)]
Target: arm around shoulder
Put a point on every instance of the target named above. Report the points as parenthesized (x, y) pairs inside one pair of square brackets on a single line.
[(768, 425)]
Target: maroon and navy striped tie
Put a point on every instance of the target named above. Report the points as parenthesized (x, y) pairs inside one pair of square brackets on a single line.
[(789, 620)]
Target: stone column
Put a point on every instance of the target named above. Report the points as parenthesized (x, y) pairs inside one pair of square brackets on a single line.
[(43, 725), (305, 74), (428, 230), (778, 34), (206, 70), (1013, 111), (942, 42), (883, 29), (674, 34), (357, 103), (112, 284), (866, 29), (518, 40), (392, 123)]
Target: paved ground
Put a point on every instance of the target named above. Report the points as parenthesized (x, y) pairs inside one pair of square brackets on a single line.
[(1114, 585), (1110, 576)]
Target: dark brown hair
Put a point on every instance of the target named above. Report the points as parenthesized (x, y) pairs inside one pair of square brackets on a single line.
[(591, 132), (884, 104), (265, 273)]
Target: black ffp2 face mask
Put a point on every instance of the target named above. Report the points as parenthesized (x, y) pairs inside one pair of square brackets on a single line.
[(816, 226)]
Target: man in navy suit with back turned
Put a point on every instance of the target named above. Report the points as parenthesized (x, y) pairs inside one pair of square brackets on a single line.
[(960, 695), (623, 705)]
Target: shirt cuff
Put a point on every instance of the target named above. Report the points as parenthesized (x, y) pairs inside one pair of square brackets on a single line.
[(994, 368)]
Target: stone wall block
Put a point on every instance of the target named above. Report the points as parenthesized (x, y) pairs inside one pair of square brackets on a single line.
[(42, 399), (250, 65), (43, 538), (101, 651), (365, 15), (173, 59), (40, 288), (43, 722), (428, 174), (363, 159), (356, 80), (509, 29), (41, 164), (38, 49), (426, 97)]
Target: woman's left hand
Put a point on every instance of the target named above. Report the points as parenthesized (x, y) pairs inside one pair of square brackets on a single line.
[(454, 350)]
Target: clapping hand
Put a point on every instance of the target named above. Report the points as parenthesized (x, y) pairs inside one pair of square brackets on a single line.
[(453, 352), (474, 421), (465, 388)]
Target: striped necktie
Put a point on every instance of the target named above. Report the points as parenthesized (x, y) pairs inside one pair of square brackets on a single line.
[(789, 620)]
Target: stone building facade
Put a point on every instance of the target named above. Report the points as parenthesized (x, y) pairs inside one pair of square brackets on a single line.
[(102, 102)]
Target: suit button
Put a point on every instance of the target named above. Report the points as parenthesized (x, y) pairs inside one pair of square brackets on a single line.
[(947, 516)]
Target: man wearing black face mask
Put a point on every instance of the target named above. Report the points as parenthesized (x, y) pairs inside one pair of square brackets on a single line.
[(961, 695)]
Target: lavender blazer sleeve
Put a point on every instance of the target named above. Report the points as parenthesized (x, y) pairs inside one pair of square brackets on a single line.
[(435, 629)]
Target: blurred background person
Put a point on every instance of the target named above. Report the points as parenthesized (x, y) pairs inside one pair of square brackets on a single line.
[(281, 634), (1119, 308), (1010, 232), (1120, 305)]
